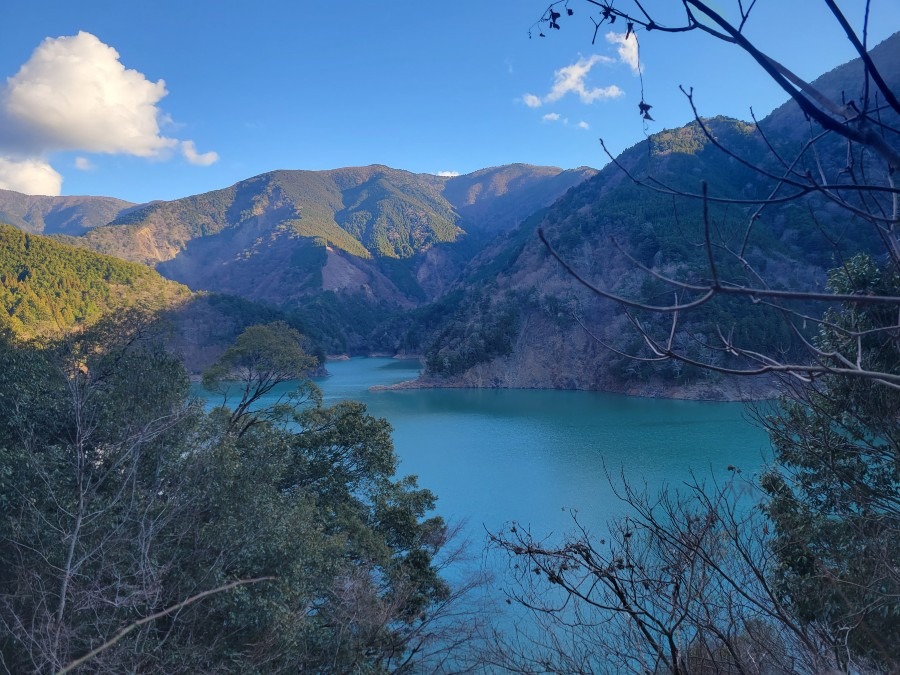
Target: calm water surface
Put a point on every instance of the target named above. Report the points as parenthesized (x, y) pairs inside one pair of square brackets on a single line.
[(493, 456), (532, 456)]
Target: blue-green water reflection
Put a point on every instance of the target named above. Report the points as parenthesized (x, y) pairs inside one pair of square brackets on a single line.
[(493, 456)]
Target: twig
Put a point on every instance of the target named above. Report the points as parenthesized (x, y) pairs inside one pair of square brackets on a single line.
[(153, 617)]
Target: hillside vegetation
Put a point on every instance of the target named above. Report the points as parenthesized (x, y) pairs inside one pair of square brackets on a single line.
[(58, 215), (365, 211), (612, 230), (351, 249), (48, 287)]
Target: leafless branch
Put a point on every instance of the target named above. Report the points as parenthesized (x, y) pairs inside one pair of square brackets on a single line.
[(158, 615)]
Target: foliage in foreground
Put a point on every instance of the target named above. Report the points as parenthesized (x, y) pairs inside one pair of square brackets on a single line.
[(121, 497), (835, 498)]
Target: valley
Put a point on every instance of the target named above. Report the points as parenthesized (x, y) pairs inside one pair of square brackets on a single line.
[(376, 260), (315, 392)]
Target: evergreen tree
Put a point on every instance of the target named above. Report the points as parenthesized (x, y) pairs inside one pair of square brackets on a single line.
[(835, 496), (121, 499)]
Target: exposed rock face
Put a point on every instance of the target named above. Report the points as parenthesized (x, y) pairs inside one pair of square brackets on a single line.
[(339, 274)]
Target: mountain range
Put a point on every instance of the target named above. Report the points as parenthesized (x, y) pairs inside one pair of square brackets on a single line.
[(527, 323), (379, 260), (350, 247)]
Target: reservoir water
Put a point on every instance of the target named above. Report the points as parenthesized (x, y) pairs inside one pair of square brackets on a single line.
[(493, 456)]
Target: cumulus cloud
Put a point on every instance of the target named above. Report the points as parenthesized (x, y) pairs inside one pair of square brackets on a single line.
[(571, 80), (189, 150), (84, 164), (550, 117), (584, 125), (73, 93), (31, 176), (627, 49), (448, 174)]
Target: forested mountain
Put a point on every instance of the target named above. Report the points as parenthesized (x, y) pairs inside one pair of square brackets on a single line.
[(58, 215), (372, 211), (517, 319), (48, 287), (354, 247), (499, 198), (285, 234)]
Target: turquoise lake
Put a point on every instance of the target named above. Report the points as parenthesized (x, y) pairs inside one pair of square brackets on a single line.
[(493, 455)]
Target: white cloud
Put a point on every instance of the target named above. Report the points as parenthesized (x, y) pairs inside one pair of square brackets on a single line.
[(84, 164), (73, 93), (189, 150), (627, 49), (571, 80), (448, 174), (584, 125), (31, 176), (550, 117)]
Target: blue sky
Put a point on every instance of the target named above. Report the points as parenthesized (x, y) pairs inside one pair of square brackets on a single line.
[(165, 99)]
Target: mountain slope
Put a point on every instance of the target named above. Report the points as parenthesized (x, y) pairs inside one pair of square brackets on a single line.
[(374, 231), (47, 287), (543, 341), (58, 215), (372, 211), (499, 198), (357, 245)]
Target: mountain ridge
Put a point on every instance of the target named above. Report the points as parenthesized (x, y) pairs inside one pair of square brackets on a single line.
[(384, 260), (558, 332), (38, 214), (340, 239)]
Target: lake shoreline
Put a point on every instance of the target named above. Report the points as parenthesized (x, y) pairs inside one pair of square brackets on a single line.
[(727, 390), (730, 394)]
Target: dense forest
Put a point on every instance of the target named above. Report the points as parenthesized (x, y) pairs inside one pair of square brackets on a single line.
[(153, 534), (49, 287)]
